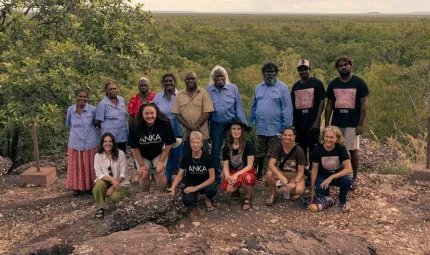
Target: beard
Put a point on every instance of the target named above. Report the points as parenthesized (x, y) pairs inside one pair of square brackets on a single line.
[(270, 80), (344, 73)]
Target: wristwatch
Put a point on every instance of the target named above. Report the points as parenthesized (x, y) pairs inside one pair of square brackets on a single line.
[(295, 182)]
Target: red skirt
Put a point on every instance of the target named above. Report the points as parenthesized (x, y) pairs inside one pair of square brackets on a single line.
[(248, 178), (80, 169)]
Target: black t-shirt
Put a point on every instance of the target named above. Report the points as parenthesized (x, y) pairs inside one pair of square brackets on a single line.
[(330, 162), (196, 170), (346, 101), (236, 162), (296, 158), (306, 98), (151, 140)]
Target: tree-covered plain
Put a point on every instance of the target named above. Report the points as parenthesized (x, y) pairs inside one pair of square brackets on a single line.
[(49, 48)]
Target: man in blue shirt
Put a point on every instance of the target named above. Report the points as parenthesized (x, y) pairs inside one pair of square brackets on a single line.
[(227, 105), (272, 110)]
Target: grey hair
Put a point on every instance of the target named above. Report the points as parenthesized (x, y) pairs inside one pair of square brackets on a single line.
[(220, 69), (144, 79), (196, 135)]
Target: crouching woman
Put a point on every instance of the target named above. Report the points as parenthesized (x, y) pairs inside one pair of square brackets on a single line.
[(199, 170), (110, 165), (238, 155), (331, 165)]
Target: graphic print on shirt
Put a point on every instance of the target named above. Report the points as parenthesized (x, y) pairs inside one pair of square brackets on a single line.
[(290, 165), (237, 162), (150, 139), (197, 169), (330, 163), (345, 98), (304, 98)]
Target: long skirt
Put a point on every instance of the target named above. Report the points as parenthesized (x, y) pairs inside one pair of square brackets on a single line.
[(80, 169)]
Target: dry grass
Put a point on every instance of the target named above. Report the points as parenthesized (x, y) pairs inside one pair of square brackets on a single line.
[(414, 148)]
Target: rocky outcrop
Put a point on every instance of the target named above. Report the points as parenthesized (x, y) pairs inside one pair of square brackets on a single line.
[(304, 242), (51, 246), (146, 239), (142, 207)]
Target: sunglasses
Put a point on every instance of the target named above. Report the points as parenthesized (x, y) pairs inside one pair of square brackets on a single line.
[(110, 171)]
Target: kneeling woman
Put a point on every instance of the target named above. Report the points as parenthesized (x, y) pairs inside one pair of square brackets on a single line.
[(331, 165), (199, 170), (151, 137), (290, 173), (238, 155), (110, 165)]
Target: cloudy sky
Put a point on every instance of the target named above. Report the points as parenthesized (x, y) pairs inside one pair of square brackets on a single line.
[(301, 6)]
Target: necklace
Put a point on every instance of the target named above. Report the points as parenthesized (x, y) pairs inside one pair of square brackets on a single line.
[(196, 161), (152, 129)]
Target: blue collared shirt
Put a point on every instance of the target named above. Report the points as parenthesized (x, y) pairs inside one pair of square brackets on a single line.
[(227, 103), (165, 107), (113, 118), (83, 134), (271, 108)]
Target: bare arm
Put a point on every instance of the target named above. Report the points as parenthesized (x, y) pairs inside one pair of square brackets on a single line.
[(276, 171), (248, 167), (359, 128), (130, 119), (202, 119), (317, 122), (97, 123), (328, 110)]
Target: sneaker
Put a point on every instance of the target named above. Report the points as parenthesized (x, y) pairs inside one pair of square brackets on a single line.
[(354, 185)]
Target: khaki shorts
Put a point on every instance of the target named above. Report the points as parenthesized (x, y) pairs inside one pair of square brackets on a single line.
[(352, 140), (287, 174), (150, 164)]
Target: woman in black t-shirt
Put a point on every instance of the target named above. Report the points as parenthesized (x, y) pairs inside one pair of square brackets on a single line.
[(291, 168), (331, 165), (238, 156), (151, 137), (198, 167)]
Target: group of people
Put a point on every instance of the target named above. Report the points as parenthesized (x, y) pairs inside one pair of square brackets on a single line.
[(203, 134)]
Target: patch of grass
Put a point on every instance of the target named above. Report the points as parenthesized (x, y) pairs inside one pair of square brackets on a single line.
[(395, 170)]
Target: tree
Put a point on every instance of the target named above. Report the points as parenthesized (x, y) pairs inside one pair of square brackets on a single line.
[(49, 48)]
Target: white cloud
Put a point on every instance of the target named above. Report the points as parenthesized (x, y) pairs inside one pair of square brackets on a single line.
[(303, 6)]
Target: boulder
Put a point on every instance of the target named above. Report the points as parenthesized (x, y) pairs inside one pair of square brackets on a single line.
[(304, 242), (51, 246), (146, 239)]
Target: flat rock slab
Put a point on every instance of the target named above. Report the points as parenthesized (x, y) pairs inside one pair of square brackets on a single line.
[(147, 239), (304, 242)]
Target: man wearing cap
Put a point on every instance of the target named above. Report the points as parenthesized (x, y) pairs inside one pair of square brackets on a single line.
[(307, 96), (192, 107), (227, 104), (347, 100), (272, 110)]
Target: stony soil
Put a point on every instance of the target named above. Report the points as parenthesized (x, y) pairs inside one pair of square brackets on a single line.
[(391, 212)]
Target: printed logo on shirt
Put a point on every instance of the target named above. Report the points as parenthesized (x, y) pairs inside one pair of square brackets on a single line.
[(304, 98), (150, 139), (345, 98), (290, 165), (197, 169), (330, 163)]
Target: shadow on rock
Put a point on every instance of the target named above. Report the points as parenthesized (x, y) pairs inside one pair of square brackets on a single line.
[(146, 239), (304, 242)]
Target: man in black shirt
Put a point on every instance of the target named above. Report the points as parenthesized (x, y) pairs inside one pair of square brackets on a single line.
[(308, 96), (347, 100)]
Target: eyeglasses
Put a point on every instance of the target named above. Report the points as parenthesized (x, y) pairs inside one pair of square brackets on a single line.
[(110, 171)]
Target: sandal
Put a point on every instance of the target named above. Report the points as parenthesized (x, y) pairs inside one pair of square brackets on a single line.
[(76, 193), (210, 208), (345, 208), (246, 203), (100, 214), (270, 200)]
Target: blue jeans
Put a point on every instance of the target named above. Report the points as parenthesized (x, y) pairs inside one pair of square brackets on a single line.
[(344, 183), (190, 198), (217, 135), (173, 163)]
